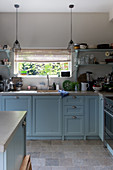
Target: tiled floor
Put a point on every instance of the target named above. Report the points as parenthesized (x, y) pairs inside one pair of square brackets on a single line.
[(69, 155)]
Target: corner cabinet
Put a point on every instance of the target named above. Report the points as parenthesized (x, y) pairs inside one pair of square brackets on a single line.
[(19, 103), (85, 52), (91, 116), (47, 117)]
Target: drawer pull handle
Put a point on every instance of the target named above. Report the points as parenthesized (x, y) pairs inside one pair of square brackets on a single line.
[(74, 117), (73, 107), (74, 97)]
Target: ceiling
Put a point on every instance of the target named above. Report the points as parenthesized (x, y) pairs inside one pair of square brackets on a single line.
[(56, 5)]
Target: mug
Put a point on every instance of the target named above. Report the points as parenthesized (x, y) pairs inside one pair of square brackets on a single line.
[(84, 86)]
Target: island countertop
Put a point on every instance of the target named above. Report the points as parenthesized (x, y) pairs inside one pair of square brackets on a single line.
[(9, 121)]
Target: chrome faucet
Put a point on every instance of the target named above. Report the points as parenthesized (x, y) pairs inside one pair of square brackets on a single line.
[(47, 81)]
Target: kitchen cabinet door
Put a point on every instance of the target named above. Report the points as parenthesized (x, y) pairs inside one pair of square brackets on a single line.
[(74, 126), (19, 103), (101, 117), (91, 116), (47, 116)]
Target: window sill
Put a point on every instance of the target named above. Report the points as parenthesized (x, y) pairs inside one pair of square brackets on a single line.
[(50, 76)]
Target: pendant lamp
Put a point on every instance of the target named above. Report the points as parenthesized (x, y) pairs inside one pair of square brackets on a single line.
[(71, 43), (16, 45)]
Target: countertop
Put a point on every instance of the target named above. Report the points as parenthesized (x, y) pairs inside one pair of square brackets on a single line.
[(54, 93), (9, 121)]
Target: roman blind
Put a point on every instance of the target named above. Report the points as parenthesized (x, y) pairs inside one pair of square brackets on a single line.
[(43, 55)]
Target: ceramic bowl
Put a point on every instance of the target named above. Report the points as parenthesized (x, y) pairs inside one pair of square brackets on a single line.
[(96, 89)]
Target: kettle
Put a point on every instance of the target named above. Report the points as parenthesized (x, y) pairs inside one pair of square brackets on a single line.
[(84, 86)]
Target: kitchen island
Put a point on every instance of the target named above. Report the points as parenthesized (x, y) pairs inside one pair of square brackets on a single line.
[(12, 139)]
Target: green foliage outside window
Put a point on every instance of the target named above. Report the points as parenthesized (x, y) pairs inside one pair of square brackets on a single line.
[(42, 69)]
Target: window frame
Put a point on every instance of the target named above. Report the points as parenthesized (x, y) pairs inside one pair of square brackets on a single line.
[(41, 76)]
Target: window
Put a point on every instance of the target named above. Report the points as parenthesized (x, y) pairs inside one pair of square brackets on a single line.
[(42, 62)]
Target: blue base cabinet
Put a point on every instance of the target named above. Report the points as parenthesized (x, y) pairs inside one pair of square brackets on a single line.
[(54, 117), (13, 156), (19, 103), (73, 116), (47, 116), (91, 116)]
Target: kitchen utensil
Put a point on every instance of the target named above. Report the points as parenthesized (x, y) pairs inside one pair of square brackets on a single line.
[(84, 86), (88, 75), (83, 45)]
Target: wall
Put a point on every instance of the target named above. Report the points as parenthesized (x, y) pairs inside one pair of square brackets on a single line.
[(52, 30)]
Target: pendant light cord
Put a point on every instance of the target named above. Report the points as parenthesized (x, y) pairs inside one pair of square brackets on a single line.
[(71, 23), (16, 23)]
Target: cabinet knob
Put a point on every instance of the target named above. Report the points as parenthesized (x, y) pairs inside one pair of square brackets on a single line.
[(24, 123), (74, 97), (74, 117), (73, 107), (17, 97)]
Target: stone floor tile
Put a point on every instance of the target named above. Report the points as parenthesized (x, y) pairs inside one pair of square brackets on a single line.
[(56, 142), (38, 161), (59, 168), (58, 155), (34, 154), (52, 162), (65, 162), (104, 168), (74, 168), (41, 168), (46, 155)]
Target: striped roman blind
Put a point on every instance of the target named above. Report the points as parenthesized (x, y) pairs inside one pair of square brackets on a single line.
[(43, 55)]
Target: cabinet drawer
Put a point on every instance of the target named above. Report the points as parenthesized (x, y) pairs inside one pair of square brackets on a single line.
[(73, 110), (73, 125), (70, 100)]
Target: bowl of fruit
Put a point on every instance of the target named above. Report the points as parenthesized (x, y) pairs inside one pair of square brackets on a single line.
[(97, 88)]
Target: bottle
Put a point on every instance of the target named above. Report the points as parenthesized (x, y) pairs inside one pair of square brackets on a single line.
[(54, 86), (57, 86)]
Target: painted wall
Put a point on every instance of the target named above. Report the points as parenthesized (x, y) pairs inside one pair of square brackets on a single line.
[(52, 30)]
